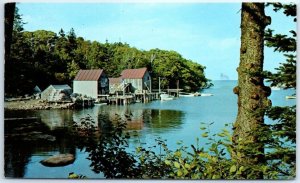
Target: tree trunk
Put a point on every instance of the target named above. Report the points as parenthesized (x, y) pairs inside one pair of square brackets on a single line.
[(9, 21), (252, 94)]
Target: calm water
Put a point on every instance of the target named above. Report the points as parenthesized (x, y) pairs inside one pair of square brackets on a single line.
[(176, 120)]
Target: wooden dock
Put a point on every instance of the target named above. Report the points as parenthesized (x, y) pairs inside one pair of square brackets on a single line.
[(121, 100), (85, 102), (132, 98), (23, 119)]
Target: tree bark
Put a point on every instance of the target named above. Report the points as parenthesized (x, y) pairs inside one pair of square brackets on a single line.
[(252, 94), (9, 21)]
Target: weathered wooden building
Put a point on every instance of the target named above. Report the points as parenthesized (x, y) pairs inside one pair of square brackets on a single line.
[(139, 79), (91, 83), (37, 92), (57, 93), (115, 85)]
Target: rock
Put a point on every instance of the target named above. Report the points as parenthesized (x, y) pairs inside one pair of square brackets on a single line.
[(58, 160)]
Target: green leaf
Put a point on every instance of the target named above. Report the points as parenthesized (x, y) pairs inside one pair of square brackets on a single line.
[(225, 130), (179, 142), (202, 128), (264, 168), (138, 149), (205, 135), (179, 173), (232, 169), (176, 164), (73, 176), (221, 134), (242, 168), (185, 171), (167, 162), (187, 166), (195, 176), (215, 177), (214, 159), (177, 153)]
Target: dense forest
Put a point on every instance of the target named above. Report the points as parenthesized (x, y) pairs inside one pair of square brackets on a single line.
[(44, 57)]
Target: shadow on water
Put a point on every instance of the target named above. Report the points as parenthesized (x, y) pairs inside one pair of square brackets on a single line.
[(27, 136), (50, 133)]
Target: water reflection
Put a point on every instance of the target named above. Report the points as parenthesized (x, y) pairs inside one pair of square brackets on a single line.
[(15, 160), (56, 118), (136, 118), (24, 138), (164, 119), (22, 152)]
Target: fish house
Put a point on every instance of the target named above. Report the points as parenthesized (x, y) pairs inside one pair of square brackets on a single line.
[(57, 93), (91, 83), (139, 79)]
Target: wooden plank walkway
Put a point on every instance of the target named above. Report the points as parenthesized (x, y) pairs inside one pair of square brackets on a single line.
[(20, 119)]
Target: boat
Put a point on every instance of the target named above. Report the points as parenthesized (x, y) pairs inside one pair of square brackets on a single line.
[(275, 88), (197, 94), (206, 94), (183, 94), (290, 97), (100, 104), (165, 96)]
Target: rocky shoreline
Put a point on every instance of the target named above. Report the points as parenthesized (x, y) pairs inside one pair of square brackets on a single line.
[(35, 104)]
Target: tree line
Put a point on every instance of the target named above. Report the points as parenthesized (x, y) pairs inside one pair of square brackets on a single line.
[(44, 57)]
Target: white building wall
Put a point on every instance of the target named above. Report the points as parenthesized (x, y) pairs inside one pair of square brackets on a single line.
[(137, 84), (88, 88)]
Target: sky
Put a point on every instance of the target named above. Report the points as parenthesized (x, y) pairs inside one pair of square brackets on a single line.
[(206, 33)]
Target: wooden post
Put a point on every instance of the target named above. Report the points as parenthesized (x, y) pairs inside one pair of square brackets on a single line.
[(178, 88), (158, 84), (150, 85)]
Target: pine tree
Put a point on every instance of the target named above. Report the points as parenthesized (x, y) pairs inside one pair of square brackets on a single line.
[(283, 156)]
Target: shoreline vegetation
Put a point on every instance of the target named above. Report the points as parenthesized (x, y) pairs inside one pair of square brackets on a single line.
[(35, 62)]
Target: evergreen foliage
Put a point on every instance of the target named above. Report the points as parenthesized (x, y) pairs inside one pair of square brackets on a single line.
[(43, 57), (283, 154)]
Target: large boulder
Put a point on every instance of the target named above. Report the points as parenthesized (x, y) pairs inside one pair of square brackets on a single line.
[(58, 160)]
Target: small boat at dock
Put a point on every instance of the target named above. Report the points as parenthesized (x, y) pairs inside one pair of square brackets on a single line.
[(276, 88), (165, 96), (290, 97), (183, 94), (197, 94), (206, 94)]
